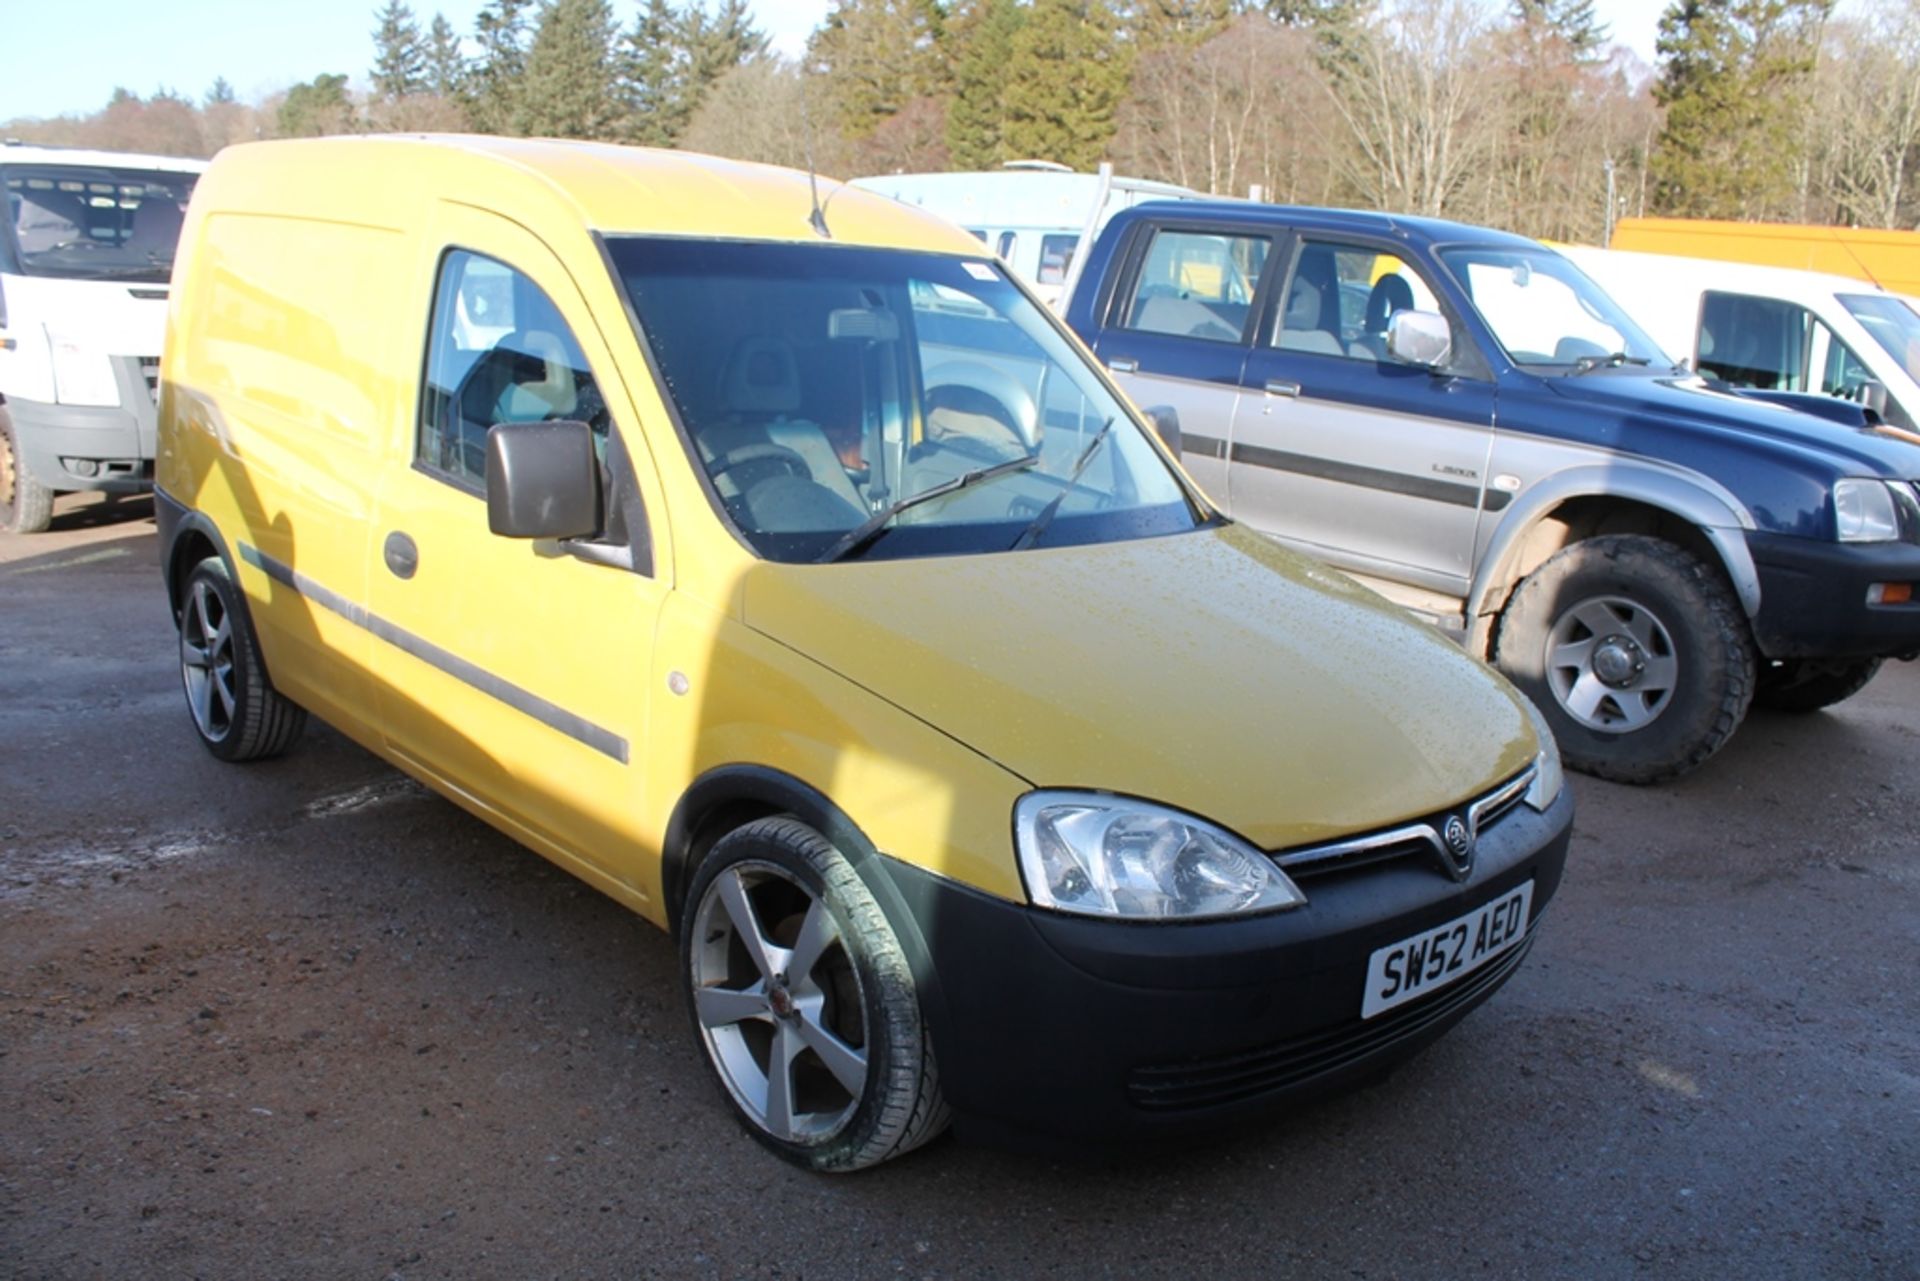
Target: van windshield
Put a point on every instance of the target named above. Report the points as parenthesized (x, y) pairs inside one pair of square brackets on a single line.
[(1546, 313), (826, 391), (93, 223), (1893, 324)]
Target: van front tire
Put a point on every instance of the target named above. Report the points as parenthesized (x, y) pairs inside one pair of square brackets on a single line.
[(804, 1002), (26, 505), (235, 709), (1636, 652)]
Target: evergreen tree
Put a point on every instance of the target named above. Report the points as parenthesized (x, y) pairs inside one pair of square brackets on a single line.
[(670, 60), (320, 106), (981, 36), (1573, 22), (399, 55), (491, 84), (567, 90), (1733, 80), (1066, 75), (220, 93), (1153, 23), (444, 64), (878, 56)]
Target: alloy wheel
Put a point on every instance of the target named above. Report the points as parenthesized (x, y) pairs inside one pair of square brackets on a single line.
[(1611, 665)]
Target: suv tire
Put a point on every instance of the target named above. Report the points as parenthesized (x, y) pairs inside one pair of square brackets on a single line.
[(26, 505), (1636, 652), (1809, 684), (804, 1002), (236, 711)]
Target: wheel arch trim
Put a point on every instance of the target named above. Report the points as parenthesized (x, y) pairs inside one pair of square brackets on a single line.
[(1721, 518)]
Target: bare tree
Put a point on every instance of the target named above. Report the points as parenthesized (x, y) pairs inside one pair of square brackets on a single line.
[(1864, 119), (1415, 87)]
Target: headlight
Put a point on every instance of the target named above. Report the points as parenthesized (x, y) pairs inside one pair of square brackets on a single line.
[(82, 375), (1109, 856), (1863, 512), (1548, 777)]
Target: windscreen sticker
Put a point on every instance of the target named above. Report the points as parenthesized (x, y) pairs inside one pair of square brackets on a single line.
[(980, 271)]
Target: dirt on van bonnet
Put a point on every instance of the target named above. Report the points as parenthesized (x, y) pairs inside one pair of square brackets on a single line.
[(303, 1019)]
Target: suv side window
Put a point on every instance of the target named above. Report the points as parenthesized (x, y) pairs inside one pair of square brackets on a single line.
[(1196, 284), (498, 352), (1340, 297), (1754, 342)]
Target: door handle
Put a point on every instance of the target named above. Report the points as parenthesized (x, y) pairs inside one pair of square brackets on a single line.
[(402, 555), (1122, 365), (1282, 387)]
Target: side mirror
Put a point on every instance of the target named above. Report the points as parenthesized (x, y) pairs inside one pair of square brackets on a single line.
[(1419, 338), (543, 481), (1873, 394), (1166, 422)]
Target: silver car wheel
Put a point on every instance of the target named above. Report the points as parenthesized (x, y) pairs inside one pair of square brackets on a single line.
[(779, 1002), (207, 661), (1610, 664)]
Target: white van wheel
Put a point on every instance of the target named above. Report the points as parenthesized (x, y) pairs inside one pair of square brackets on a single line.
[(804, 1002), (26, 505)]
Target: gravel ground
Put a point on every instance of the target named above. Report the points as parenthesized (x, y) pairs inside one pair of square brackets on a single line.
[(303, 1019)]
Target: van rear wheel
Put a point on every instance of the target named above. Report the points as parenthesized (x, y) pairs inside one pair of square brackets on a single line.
[(26, 505), (804, 1002), (236, 710), (1636, 652)]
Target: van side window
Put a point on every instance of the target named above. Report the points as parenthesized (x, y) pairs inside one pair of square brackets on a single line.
[(1340, 298), (1056, 255), (1009, 242), (1754, 342), (1196, 285), (498, 352), (1845, 373)]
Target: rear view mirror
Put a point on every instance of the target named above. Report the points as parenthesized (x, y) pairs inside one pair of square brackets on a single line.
[(863, 324), (1419, 338), (543, 481), (1166, 422)]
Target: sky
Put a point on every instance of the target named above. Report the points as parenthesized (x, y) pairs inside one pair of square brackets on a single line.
[(63, 61)]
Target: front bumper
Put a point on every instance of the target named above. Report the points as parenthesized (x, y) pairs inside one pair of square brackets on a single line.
[(1813, 598), (1052, 1025), (92, 447)]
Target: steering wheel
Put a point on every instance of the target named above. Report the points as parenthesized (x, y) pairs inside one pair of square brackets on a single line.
[(746, 454), (980, 406)]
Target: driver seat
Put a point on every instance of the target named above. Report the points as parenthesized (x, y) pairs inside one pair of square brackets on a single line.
[(759, 389)]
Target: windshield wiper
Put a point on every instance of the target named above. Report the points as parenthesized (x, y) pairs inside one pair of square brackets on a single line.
[(1039, 526), (1587, 364), (861, 535)]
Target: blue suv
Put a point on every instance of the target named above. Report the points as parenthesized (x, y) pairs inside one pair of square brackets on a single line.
[(1461, 419)]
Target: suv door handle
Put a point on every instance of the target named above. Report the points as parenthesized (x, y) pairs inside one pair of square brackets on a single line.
[(1282, 387), (1123, 365)]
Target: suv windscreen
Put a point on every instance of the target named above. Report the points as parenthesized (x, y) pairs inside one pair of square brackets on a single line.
[(822, 385), (1546, 313), (92, 223)]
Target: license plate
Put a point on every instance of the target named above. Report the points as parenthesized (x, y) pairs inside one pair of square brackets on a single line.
[(1433, 958)]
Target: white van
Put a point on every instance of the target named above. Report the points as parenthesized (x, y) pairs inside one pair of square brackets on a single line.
[(86, 249), (1032, 213), (1772, 328)]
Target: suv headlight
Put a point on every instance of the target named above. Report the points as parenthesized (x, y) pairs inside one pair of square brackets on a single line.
[(1110, 856), (1548, 776), (1863, 512)]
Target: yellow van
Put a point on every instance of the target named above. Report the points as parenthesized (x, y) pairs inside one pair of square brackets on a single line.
[(758, 550)]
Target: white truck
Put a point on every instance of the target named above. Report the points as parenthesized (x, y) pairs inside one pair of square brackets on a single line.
[(86, 250), (1032, 213)]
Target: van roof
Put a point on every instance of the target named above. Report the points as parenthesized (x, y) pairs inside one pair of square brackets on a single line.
[(1678, 271), (619, 190), (14, 152)]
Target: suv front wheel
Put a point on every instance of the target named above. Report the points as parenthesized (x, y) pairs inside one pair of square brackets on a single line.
[(1636, 651)]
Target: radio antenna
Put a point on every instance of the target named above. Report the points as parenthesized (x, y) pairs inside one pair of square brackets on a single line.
[(818, 218)]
